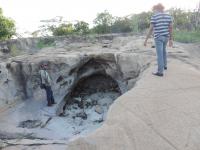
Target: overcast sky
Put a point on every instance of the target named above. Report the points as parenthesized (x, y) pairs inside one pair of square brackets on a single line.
[(28, 13)]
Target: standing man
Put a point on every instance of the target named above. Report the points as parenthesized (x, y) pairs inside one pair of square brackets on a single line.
[(46, 84), (161, 24)]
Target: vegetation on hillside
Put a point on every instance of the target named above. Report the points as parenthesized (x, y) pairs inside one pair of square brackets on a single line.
[(186, 25), (45, 42), (185, 36), (7, 27)]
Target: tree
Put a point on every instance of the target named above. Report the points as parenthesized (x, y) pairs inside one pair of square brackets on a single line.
[(141, 21), (103, 22), (48, 25), (180, 17), (121, 25), (63, 29), (81, 27), (7, 27)]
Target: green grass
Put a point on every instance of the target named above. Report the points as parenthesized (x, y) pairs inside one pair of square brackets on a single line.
[(187, 36), (46, 42)]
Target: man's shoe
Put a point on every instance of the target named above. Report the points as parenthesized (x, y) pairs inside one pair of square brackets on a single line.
[(165, 68), (54, 103), (158, 74)]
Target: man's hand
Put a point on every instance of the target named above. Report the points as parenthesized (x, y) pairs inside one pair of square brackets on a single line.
[(170, 43)]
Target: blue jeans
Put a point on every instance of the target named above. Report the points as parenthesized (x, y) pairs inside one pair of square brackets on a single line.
[(161, 43), (49, 92)]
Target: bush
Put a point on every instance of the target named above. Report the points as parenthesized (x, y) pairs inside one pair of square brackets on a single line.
[(187, 36), (45, 42), (140, 22), (103, 23), (121, 25), (81, 27), (7, 27), (63, 29)]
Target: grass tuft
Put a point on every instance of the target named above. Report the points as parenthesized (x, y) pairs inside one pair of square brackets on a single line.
[(187, 36), (46, 42)]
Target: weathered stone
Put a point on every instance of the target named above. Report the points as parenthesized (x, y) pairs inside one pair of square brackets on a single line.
[(107, 70), (4, 49), (30, 124), (98, 109), (156, 114)]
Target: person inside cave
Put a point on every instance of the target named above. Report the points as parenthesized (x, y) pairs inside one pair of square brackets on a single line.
[(46, 84)]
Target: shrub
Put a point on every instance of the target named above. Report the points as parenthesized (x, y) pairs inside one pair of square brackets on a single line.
[(7, 27), (187, 36), (81, 27), (63, 29), (45, 42), (103, 23), (121, 25)]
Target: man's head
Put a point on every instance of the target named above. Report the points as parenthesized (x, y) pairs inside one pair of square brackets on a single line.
[(43, 66), (158, 8)]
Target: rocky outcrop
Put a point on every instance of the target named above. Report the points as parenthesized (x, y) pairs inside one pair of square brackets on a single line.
[(87, 77), (89, 74), (20, 75), (20, 79)]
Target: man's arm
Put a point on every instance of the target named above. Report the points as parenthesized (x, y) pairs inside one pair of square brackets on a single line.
[(149, 34), (170, 35)]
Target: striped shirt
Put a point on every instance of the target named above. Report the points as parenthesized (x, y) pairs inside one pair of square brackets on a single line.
[(161, 22)]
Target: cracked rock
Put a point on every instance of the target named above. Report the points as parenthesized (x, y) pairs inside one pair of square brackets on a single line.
[(30, 124)]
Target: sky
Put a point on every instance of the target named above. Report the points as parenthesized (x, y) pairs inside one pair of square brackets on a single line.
[(28, 13)]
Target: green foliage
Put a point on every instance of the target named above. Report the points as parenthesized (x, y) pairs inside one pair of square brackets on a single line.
[(103, 23), (187, 36), (81, 27), (134, 23), (140, 22), (7, 27), (144, 20), (63, 29), (104, 18), (185, 20), (45, 42), (106, 23), (181, 18), (1, 11), (186, 25), (121, 25)]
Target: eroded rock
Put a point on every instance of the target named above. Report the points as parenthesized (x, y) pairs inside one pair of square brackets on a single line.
[(98, 109), (86, 80), (30, 124)]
